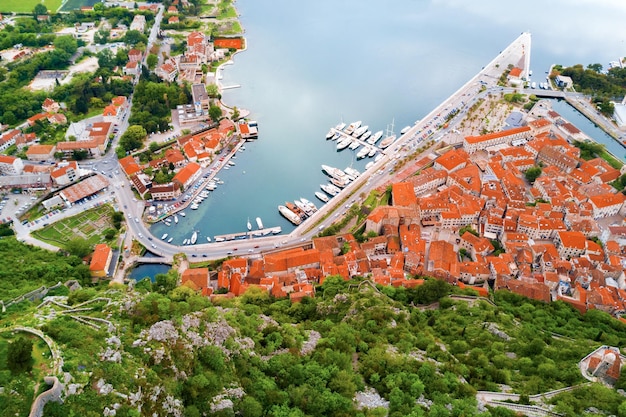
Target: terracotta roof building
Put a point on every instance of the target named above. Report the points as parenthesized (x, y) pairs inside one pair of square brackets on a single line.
[(100, 260)]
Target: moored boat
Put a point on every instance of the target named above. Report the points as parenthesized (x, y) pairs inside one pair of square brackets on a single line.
[(208, 239), (249, 225), (259, 223), (175, 218), (366, 135), (170, 240), (338, 183), (363, 152), (355, 144), (352, 172), (219, 239), (375, 137), (322, 196), (330, 189), (330, 134), (340, 126), (361, 130), (164, 236), (369, 165), (303, 207), (352, 127), (296, 209), (309, 204), (405, 129), (378, 157), (372, 152), (333, 172), (289, 215), (344, 143), (387, 141), (194, 238), (182, 213)]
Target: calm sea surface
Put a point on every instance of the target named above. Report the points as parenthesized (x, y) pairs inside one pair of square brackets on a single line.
[(312, 64)]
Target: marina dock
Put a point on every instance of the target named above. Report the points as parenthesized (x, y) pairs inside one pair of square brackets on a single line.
[(249, 234), (344, 135)]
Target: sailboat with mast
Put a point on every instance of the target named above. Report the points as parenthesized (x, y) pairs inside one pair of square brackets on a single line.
[(390, 136)]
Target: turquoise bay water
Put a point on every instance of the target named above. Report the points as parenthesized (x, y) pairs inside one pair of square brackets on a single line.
[(148, 271), (310, 65)]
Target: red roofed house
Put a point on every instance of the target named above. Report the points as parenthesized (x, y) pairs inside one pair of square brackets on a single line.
[(198, 280), (515, 76), (9, 138), (606, 205), (134, 55), (10, 165), (40, 116), (452, 160), (167, 71), (173, 20), (187, 175), (167, 191), (100, 260), (403, 194), (475, 143), (570, 244), (131, 68), (50, 106), (65, 173), (40, 152), (110, 113), (129, 165), (174, 156)]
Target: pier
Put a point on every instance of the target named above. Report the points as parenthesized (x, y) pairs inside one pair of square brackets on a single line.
[(344, 135), (249, 234), (185, 204)]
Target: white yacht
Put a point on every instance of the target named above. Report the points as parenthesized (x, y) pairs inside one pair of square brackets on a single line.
[(289, 215), (355, 144), (194, 238), (363, 152), (322, 196), (361, 130), (375, 137), (164, 236), (405, 129), (259, 223), (344, 143), (352, 127)]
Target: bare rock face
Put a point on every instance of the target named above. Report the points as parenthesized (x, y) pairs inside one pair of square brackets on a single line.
[(311, 343), (370, 398)]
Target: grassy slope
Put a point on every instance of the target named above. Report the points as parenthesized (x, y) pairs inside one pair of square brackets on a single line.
[(27, 6)]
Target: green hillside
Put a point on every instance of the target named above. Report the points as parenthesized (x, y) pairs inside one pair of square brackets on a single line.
[(171, 352)]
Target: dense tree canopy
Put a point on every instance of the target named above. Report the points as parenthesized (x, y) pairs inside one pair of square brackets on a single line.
[(20, 355)]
